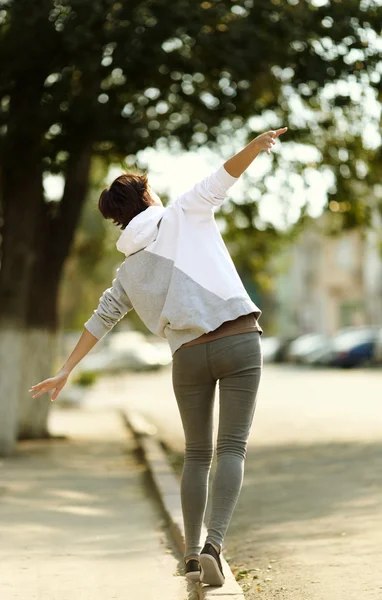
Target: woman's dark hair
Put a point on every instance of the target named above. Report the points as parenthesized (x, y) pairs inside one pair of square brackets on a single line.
[(125, 198)]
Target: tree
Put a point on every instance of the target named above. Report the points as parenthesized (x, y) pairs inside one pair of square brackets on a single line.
[(99, 78)]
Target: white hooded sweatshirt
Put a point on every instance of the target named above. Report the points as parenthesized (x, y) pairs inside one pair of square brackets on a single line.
[(177, 273)]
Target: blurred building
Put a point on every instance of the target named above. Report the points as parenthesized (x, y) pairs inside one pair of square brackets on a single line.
[(330, 282), (372, 270)]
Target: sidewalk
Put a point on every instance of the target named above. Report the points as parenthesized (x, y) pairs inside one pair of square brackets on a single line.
[(79, 519)]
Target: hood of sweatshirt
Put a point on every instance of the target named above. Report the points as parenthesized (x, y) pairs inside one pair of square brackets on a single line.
[(141, 231)]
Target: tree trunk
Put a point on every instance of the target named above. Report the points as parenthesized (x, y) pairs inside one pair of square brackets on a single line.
[(52, 246), (35, 243), (21, 196), (11, 344), (35, 239), (39, 351)]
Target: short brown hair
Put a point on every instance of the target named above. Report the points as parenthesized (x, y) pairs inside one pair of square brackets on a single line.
[(125, 198)]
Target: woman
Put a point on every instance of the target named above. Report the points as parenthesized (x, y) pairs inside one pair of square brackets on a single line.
[(179, 277)]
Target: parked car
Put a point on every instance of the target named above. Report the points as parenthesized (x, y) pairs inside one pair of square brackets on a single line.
[(318, 352), (154, 349), (125, 351), (275, 348), (349, 347), (305, 344), (354, 346)]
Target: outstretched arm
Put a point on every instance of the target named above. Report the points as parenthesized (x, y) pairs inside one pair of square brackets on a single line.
[(113, 305), (236, 165)]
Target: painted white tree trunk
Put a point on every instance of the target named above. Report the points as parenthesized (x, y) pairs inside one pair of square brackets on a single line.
[(26, 357), (11, 350), (39, 358)]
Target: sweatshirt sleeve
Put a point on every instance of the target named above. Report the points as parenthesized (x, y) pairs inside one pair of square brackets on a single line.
[(208, 193), (113, 305)]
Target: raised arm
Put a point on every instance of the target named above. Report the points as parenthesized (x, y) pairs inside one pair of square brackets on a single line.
[(237, 164), (207, 194), (210, 192)]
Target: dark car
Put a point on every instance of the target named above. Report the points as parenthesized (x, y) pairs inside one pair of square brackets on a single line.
[(351, 347)]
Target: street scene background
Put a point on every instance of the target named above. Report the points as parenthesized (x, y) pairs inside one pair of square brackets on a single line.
[(90, 89)]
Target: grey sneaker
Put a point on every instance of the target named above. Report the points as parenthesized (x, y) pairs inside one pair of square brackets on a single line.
[(211, 570)]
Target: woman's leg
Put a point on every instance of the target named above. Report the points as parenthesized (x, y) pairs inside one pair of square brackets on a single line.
[(194, 389), (237, 362)]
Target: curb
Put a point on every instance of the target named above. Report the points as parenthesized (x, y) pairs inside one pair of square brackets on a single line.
[(168, 489)]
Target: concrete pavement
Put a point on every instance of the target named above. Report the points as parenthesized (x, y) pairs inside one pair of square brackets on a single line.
[(79, 519)]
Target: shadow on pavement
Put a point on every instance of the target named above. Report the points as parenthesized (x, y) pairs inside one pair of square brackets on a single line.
[(290, 484), (78, 519)]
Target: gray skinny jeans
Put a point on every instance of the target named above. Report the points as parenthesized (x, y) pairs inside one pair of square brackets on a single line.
[(236, 361)]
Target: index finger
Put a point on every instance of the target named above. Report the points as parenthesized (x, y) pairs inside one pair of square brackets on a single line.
[(280, 131)]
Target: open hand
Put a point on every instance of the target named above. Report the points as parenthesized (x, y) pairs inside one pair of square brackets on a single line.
[(266, 140), (53, 383)]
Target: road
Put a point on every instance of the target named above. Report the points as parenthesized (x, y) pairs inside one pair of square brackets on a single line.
[(308, 523)]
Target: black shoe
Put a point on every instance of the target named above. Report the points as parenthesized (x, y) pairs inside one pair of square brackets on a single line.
[(192, 570), (210, 565)]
